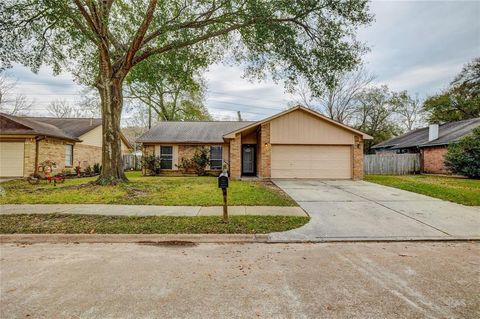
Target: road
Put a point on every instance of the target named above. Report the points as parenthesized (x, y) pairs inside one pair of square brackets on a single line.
[(328, 280)]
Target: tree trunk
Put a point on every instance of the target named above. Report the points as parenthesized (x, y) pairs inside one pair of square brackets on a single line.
[(112, 103)]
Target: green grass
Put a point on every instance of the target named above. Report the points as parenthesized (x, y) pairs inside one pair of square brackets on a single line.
[(92, 224), (457, 190), (146, 190)]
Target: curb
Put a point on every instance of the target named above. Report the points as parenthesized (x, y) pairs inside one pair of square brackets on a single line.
[(132, 238), (376, 240), (202, 238)]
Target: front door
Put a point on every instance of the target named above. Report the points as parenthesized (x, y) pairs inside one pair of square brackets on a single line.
[(248, 159)]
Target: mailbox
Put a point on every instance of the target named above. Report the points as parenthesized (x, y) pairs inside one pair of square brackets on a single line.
[(223, 181)]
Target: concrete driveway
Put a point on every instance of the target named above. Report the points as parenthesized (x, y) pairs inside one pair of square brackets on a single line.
[(358, 210)]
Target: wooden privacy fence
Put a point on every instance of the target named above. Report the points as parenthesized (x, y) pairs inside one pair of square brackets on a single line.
[(131, 161), (396, 164)]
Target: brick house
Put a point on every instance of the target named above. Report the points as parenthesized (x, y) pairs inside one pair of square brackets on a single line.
[(27, 141), (431, 142), (296, 143)]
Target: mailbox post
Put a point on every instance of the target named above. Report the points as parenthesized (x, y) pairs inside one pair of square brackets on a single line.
[(223, 184)]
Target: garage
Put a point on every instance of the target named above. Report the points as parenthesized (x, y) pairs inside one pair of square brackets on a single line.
[(11, 159), (311, 161)]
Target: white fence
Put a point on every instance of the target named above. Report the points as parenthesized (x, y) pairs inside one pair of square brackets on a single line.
[(395, 164)]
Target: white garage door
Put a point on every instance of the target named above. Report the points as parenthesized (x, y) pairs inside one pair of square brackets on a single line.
[(311, 161), (11, 159)]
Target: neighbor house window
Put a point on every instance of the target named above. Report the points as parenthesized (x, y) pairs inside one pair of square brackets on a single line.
[(216, 157), (69, 155), (166, 157)]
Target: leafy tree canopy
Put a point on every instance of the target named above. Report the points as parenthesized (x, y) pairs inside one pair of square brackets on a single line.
[(461, 100), (101, 41), (375, 108)]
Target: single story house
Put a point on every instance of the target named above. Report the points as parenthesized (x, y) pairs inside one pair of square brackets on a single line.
[(27, 141), (431, 142), (296, 143)]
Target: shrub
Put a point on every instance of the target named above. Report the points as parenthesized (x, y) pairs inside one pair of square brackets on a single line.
[(200, 160), (88, 171), (151, 163), (186, 165), (197, 164), (463, 157), (97, 168)]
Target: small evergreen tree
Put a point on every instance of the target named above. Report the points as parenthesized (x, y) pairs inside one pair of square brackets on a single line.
[(463, 157)]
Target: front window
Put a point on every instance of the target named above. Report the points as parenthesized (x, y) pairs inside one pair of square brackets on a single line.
[(69, 155), (166, 157), (216, 157)]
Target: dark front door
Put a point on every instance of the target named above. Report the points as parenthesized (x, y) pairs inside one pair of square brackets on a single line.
[(248, 159)]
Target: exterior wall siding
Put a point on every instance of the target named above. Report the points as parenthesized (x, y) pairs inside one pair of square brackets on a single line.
[(300, 127), (433, 158), (95, 138)]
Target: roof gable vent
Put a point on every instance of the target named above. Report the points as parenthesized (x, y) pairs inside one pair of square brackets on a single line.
[(432, 132)]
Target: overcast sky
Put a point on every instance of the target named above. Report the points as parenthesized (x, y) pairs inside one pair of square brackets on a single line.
[(417, 46)]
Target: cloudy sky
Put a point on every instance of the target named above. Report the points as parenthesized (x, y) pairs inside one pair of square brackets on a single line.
[(417, 46)]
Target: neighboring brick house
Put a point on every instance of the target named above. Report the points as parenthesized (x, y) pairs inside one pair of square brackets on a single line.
[(430, 142), (27, 141), (296, 143)]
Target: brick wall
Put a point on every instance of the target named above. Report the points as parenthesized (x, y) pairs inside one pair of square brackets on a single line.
[(54, 150), (186, 151), (358, 158), (148, 149), (29, 157), (433, 160), (265, 151), (235, 156), (86, 155)]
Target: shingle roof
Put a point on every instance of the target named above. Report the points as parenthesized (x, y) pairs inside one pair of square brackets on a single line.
[(73, 126), (447, 133), (191, 132), (70, 129)]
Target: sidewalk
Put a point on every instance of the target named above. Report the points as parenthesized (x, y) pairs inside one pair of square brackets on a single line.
[(147, 210)]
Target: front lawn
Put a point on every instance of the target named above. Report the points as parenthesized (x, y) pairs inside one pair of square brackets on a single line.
[(457, 190), (93, 224), (145, 190)]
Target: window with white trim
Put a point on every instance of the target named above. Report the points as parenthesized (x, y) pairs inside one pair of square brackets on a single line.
[(216, 157), (68, 155), (166, 157)]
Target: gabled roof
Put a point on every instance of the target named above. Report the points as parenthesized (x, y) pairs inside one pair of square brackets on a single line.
[(447, 133), (65, 128), (31, 126), (217, 131), (72, 126), (302, 108), (190, 132)]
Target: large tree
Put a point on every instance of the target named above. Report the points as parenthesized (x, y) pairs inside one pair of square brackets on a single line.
[(375, 115), (339, 101), (100, 41), (461, 100), (12, 103), (409, 110), (173, 89)]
